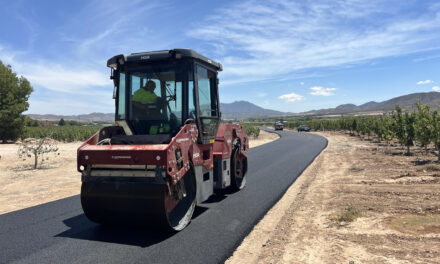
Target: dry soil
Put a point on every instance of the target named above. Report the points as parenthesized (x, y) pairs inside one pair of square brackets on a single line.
[(358, 202)]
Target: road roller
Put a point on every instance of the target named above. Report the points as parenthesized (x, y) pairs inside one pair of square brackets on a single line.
[(167, 151)]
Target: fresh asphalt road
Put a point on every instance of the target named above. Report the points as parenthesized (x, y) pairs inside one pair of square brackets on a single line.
[(59, 232)]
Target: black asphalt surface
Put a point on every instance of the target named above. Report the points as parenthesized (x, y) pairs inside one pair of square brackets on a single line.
[(58, 232)]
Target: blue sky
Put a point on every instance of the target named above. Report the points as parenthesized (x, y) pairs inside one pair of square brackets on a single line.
[(285, 55)]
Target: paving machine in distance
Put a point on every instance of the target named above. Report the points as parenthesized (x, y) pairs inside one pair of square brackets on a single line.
[(168, 151)]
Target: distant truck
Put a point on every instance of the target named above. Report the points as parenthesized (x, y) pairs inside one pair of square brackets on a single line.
[(279, 125)]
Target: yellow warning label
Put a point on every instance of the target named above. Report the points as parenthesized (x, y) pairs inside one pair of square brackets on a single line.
[(211, 141)]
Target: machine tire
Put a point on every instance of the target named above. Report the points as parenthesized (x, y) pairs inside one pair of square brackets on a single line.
[(238, 169), (180, 216), (104, 204)]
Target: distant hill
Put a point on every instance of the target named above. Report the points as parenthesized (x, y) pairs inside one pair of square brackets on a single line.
[(240, 109), (93, 117), (405, 101), (244, 109)]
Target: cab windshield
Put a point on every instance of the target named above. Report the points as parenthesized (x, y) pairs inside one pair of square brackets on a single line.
[(155, 100)]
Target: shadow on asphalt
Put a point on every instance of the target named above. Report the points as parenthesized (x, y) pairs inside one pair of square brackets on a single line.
[(199, 210), (82, 228)]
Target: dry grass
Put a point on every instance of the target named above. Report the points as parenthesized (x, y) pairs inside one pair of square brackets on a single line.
[(348, 215), (415, 223)]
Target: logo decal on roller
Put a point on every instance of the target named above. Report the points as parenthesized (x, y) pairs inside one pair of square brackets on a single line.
[(121, 157)]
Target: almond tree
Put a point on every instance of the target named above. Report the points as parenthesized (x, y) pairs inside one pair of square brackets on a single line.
[(387, 126), (423, 126), (37, 148), (435, 121), (354, 125), (404, 127)]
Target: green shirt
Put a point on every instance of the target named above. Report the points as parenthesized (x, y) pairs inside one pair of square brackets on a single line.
[(144, 96)]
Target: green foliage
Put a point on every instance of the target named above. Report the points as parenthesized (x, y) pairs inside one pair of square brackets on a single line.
[(14, 95), (348, 215), (404, 127), (423, 125), (62, 122), (436, 130), (61, 133), (387, 124), (420, 125), (74, 123), (252, 130)]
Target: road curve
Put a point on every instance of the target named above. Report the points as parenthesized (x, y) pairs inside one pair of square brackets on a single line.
[(58, 232)]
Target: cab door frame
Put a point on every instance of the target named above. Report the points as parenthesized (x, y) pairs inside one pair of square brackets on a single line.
[(209, 138)]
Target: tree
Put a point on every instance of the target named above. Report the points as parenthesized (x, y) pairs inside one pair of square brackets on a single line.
[(404, 128), (62, 122), (388, 132), (354, 125), (436, 131), (35, 123), (423, 126), (37, 148), (14, 95)]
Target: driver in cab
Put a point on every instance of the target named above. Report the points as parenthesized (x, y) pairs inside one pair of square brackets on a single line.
[(145, 108), (145, 94)]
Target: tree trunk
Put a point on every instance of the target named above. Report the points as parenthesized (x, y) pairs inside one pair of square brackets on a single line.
[(36, 160), (407, 150), (438, 153), (426, 149)]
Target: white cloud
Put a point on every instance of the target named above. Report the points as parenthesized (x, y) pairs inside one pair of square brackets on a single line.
[(82, 64), (56, 77), (302, 83), (268, 39), (322, 91), (291, 97), (424, 82), (61, 79), (436, 88)]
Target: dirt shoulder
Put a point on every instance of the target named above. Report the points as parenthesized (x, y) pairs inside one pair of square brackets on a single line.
[(263, 138), (22, 186), (356, 202), (57, 178)]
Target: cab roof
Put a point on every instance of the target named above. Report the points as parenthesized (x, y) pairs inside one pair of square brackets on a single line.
[(161, 55)]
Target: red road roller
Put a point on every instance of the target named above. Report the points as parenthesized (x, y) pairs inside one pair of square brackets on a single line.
[(168, 151)]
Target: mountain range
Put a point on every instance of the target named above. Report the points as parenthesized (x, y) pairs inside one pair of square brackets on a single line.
[(405, 101), (93, 117), (244, 109)]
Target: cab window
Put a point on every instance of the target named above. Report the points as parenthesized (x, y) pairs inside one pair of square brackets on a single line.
[(121, 97), (207, 92)]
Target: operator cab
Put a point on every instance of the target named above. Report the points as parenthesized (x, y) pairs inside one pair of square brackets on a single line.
[(158, 92)]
